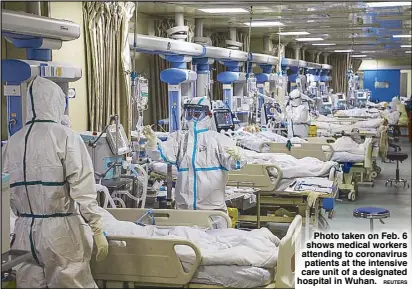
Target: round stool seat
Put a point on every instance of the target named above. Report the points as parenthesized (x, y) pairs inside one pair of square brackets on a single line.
[(371, 213), (397, 156)]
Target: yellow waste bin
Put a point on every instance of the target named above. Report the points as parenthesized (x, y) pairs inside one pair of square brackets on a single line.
[(234, 216), (313, 130)]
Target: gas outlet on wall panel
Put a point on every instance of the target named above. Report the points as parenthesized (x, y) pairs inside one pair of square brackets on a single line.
[(71, 93), (12, 90)]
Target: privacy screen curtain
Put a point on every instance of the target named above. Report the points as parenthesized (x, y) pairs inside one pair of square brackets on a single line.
[(106, 26), (340, 66), (158, 99)]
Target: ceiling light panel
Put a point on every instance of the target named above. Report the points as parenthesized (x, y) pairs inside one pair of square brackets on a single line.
[(358, 55), (309, 39), (294, 33), (387, 4), (343, 51), (223, 10), (402, 36), (264, 24), (324, 44)]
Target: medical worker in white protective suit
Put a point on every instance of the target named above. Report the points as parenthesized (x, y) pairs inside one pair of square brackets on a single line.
[(203, 158), (52, 193), (398, 106), (297, 115)]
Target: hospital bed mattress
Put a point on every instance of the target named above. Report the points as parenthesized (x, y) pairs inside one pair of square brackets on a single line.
[(233, 276), (342, 157)]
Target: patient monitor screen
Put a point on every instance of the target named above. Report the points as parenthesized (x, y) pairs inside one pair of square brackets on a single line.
[(224, 119)]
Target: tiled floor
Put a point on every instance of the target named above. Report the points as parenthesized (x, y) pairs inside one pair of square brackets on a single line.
[(396, 200)]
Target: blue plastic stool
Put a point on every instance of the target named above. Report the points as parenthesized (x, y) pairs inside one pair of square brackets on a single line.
[(371, 213)]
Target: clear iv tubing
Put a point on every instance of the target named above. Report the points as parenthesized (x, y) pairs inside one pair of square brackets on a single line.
[(174, 116), (145, 180), (108, 198), (122, 204), (125, 193)]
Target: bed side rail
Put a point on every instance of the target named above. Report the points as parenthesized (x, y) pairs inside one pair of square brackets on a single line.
[(321, 151), (368, 156), (320, 139), (145, 260), (256, 176), (288, 247), (165, 217)]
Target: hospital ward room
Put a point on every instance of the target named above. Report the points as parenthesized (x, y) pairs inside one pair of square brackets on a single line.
[(199, 144)]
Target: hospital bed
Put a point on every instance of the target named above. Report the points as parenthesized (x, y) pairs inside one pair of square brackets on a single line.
[(359, 173), (340, 120), (321, 151), (271, 202), (153, 262)]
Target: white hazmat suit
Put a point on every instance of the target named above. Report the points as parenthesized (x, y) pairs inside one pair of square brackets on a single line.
[(52, 193), (297, 115), (203, 158)]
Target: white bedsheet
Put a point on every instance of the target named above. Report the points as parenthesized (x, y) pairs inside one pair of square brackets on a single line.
[(359, 112), (291, 167), (233, 276), (256, 248), (329, 129), (347, 150), (344, 157), (254, 141)]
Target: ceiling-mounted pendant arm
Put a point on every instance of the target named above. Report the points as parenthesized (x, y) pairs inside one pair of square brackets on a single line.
[(23, 25)]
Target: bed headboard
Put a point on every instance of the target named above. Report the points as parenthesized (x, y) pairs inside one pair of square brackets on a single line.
[(255, 176)]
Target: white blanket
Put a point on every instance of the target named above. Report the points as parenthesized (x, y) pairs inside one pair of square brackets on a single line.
[(291, 167), (328, 128), (254, 141), (347, 150), (257, 248), (347, 144), (359, 112)]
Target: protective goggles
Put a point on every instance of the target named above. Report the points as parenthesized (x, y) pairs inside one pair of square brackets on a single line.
[(194, 112)]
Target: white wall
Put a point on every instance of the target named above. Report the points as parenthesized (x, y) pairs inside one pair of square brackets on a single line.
[(73, 52), (378, 64)]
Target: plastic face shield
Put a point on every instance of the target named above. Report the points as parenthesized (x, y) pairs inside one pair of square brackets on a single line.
[(194, 112)]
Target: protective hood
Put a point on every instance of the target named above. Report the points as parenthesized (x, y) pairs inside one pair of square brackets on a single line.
[(294, 98), (45, 100), (203, 101), (396, 100), (205, 123)]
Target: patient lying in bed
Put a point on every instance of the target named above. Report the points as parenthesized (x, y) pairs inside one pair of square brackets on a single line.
[(347, 150), (253, 141), (230, 257), (326, 127)]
